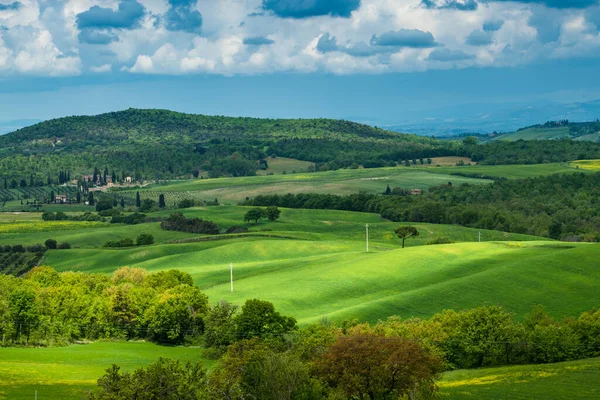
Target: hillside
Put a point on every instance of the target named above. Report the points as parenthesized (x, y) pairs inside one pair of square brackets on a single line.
[(553, 130), (153, 144)]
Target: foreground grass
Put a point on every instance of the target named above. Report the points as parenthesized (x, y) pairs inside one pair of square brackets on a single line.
[(70, 372), (567, 380)]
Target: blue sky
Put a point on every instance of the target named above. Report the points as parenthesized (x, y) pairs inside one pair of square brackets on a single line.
[(373, 60)]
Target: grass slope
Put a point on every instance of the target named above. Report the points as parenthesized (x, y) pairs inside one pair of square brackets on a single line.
[(343, 181), (69, 372), (567, 380), (543, 133), (508, 171)]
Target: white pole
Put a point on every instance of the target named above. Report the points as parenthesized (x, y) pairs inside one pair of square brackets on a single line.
[(231, 275), (367, 227), (480, 236)]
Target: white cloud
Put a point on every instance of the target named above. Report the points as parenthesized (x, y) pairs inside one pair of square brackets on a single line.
[(150, 48)]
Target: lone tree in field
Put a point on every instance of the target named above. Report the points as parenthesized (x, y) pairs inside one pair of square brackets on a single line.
[(161, 201), (272, 213), (405, 232), (254, 215)]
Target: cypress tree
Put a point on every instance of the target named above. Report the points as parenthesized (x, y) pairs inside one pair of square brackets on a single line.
[(138, 201)]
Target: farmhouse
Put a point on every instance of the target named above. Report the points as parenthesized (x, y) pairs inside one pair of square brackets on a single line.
[(416, 192), (60, 198)]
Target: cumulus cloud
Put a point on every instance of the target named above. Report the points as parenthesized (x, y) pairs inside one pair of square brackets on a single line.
[(404, 38), (479, 38), (493, 25), (10, 7), (92, 36), (183, 16), (310, 8), (258, 41), (447, 55), (127, 16), (101, 68), (462, 5)]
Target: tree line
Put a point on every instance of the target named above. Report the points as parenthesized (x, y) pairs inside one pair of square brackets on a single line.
[(562, 206)]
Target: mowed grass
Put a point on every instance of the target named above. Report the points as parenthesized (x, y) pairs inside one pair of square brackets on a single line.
[(70, 372), (345, 181), (567, 380)]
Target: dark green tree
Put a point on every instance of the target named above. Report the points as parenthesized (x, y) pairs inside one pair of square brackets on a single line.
[(259, 319), (161, 201), (272, 213), (138, 200), (91, 200), (405, 232), (254, 214)]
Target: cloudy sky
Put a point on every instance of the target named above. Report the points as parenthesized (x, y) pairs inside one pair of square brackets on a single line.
[(360, 58)]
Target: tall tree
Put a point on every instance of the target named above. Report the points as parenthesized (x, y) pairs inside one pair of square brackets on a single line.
[(161, 201), (138, 200)]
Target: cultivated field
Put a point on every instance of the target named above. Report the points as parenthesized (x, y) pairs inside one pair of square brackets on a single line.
[(536, 134)]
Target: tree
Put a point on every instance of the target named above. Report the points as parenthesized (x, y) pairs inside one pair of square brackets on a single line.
[(220, 325), (52, 196), (145, 239), (373, 367), (138, 200), (122, 203), (388, 190), (259, 319), (163, 380), (91, 200), (50, 244), (254, 214), (161, 201), (104, 203), (272, 213), (78, 197), (147, 205), (405, 232)]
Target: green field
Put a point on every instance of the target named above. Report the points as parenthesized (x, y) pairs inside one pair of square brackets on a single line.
[(69, 372), (344, 181), (509, 171), (536, 134), (567, 380)]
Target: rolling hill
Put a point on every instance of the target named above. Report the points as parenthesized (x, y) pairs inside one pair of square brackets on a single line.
[(580, 131)]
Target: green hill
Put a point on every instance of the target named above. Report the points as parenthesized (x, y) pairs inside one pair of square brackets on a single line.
[(554, 130), (154, 144)]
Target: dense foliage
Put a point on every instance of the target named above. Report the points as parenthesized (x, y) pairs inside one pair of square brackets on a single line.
[(178, 222), (558, 206), (46, 307)]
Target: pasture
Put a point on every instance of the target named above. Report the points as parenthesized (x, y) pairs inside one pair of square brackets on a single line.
[(542, 133), (70, 372), (550, 382)]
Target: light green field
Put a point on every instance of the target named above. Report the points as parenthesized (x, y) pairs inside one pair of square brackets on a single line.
[(587, 165), (567, 380), (280, 165), (536, 134), (345, 181), (69, 372), (509, 171)]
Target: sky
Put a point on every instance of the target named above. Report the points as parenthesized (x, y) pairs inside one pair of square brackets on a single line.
[(378, 61)]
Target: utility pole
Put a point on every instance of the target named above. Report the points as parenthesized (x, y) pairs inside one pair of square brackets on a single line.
[(231, 275), (367, 236), (480, 236)]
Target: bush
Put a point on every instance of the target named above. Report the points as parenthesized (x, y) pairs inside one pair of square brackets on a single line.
[(145, 239), (121, 243), (178, 222), (186, 203), (132, 219), (236, 229), (64, 246), (440, 240), (50, 244)]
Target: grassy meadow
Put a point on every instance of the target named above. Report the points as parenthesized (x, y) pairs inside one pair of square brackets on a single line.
[(549, 381), (542, 133), (70, 372)]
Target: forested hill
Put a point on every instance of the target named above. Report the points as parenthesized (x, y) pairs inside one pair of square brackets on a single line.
[(169, 127), (165, 144), (552, 130)]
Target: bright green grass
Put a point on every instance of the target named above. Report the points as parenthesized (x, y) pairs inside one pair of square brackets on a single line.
[(69, 372), (587, 165), (536, 134), (337, 279), (345, 181), (507, 171), (567, 380)]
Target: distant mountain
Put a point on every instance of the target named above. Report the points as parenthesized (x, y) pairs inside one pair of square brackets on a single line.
[(487, 118), (10, 126)]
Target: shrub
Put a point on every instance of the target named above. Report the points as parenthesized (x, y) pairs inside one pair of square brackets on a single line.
[(64, 246), (145, 239), (440, 240), (186, 203), (236, 229), (50, 244), (178, 222)]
